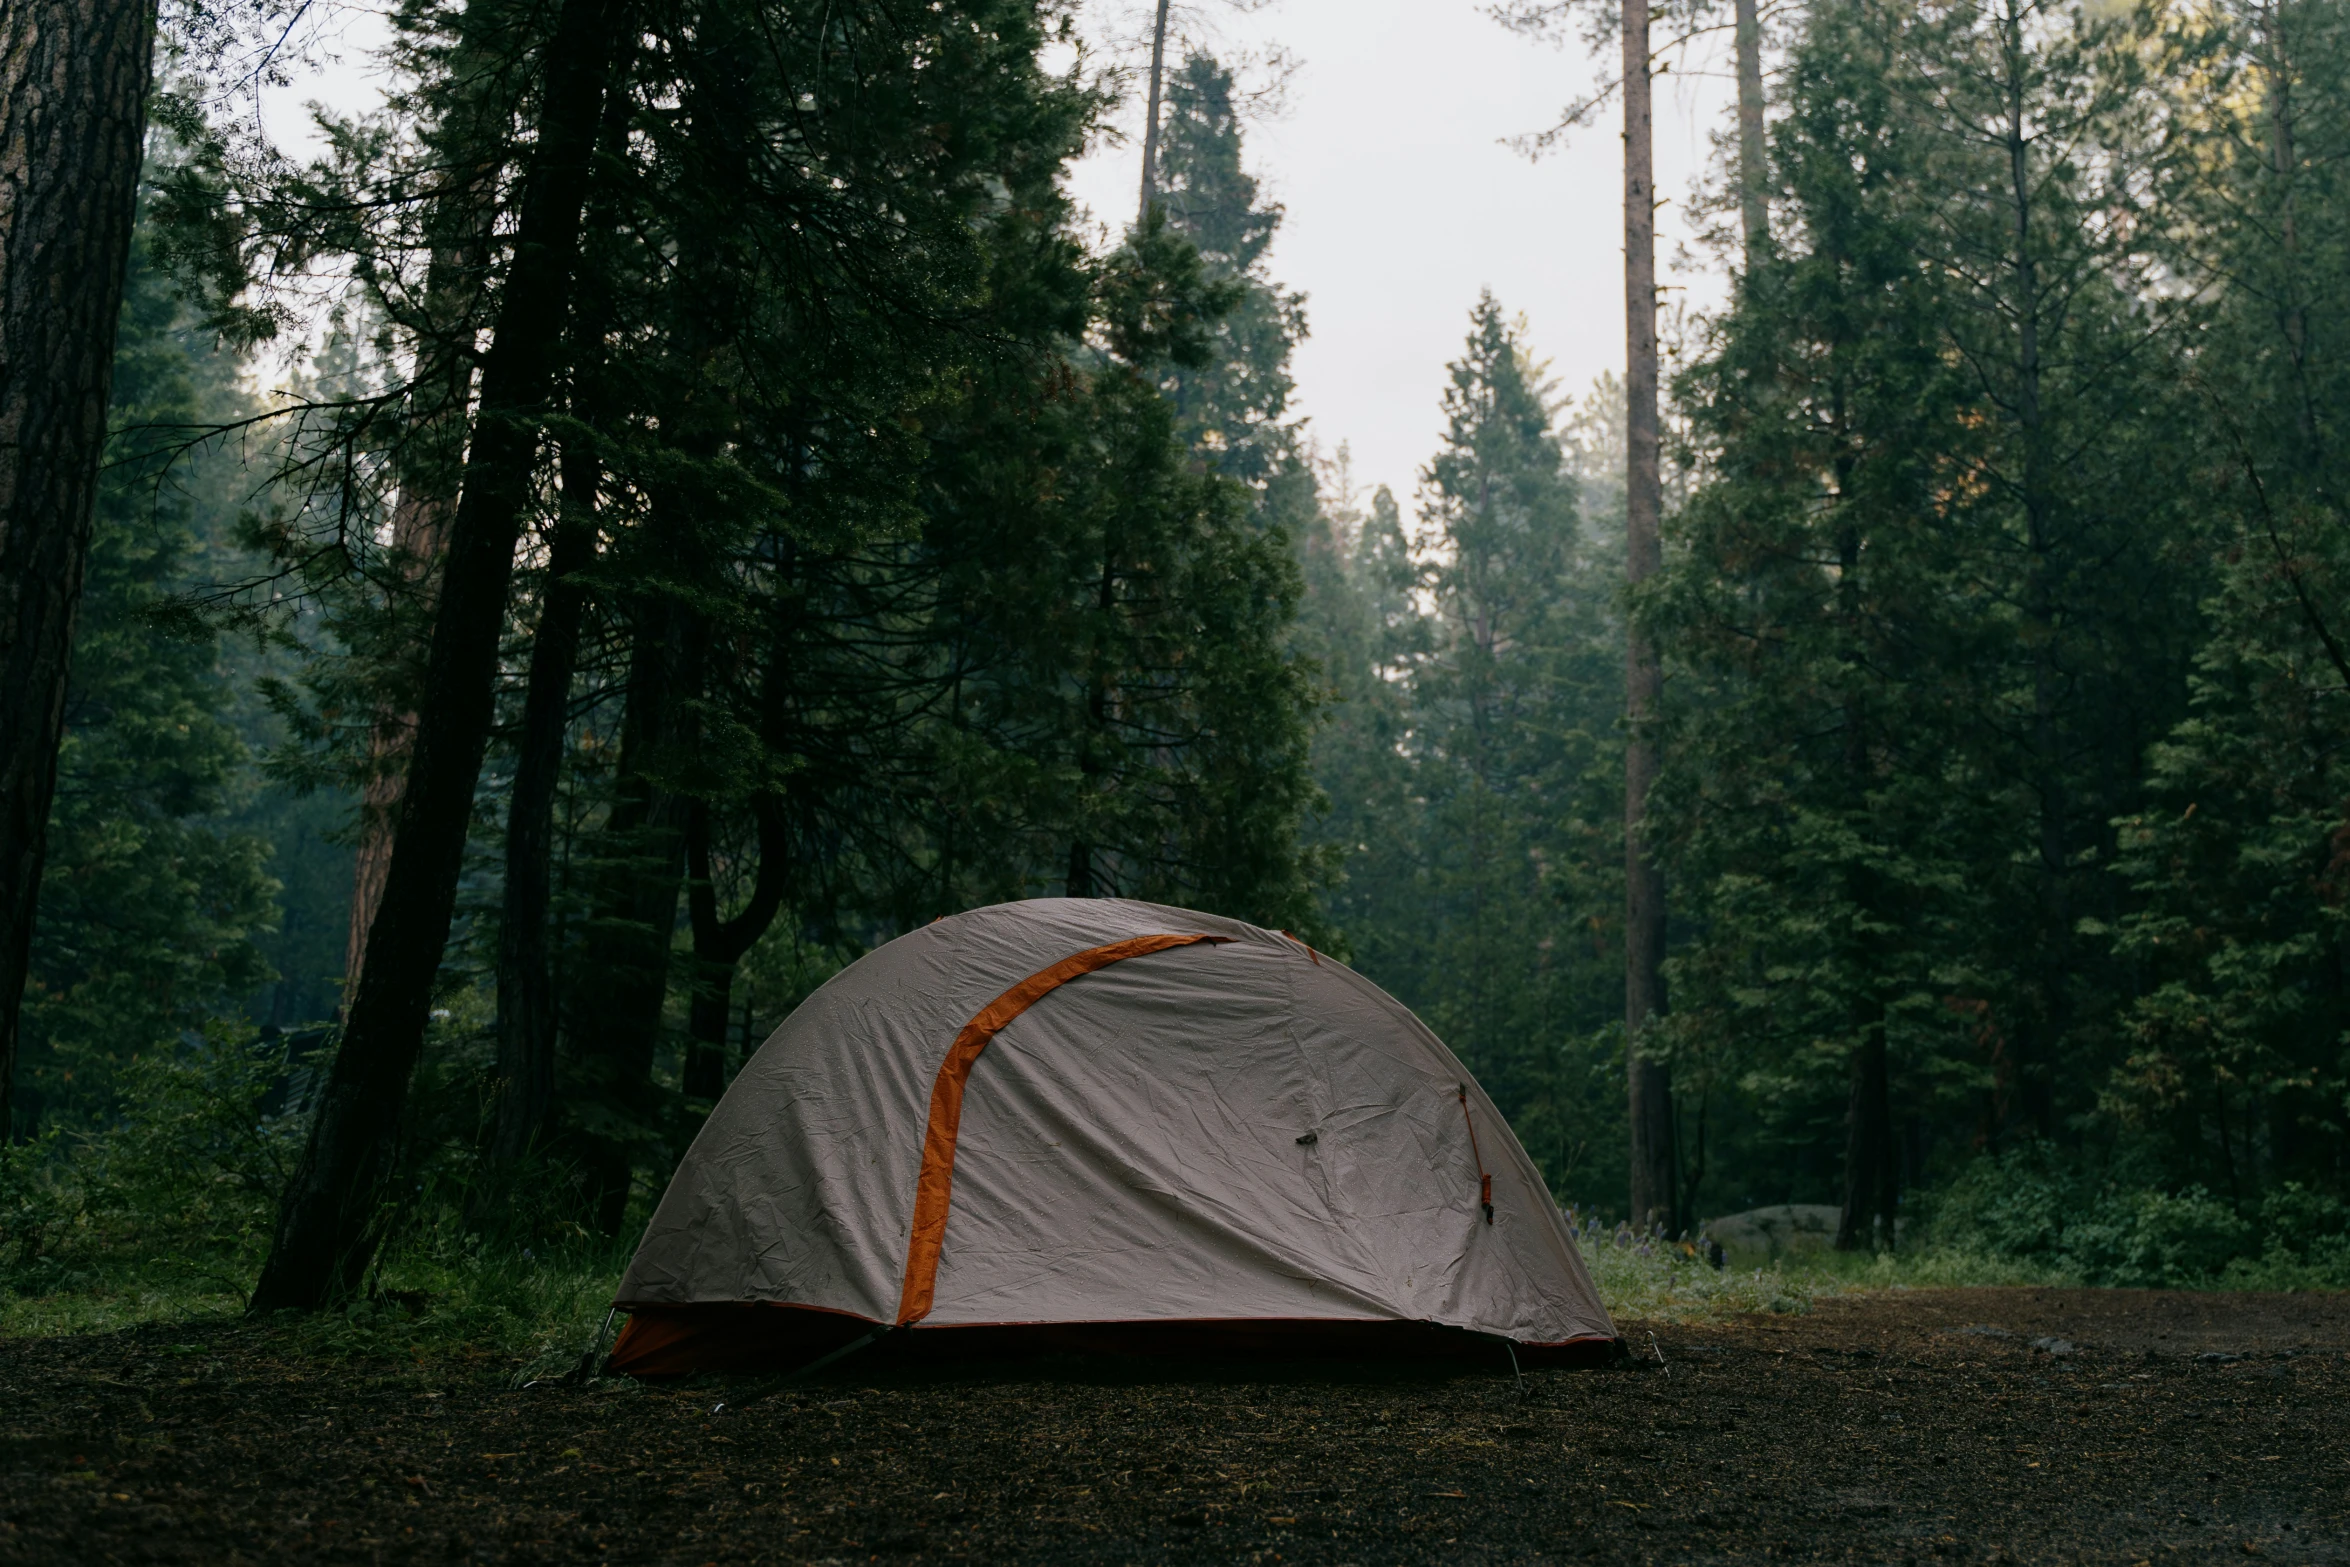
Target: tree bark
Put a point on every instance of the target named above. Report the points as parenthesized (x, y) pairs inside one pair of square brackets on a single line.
[(622, 973), (420, 524), (719, 944), (528, 1018), (1150, 126), (1753, 177), (1655, 1175), (526, 985), (1871, 1190), (73, 125), (327, 1230), (472, 139)]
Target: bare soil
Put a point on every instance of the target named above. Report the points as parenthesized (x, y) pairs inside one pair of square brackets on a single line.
[(1918, 1426)]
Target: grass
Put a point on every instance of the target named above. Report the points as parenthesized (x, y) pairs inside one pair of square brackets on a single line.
[(541, 1310), (1661, 1283)]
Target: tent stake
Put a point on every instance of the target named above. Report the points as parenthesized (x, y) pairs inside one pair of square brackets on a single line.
[(788, 1378), (586, 1365)]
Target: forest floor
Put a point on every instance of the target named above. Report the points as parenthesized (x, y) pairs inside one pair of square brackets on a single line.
[(1903, 1426)]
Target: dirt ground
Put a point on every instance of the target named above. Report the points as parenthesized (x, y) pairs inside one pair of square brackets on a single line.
[(1919, 1426)]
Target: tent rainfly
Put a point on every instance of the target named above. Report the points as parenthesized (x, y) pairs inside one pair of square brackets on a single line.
[(1103, 1125)]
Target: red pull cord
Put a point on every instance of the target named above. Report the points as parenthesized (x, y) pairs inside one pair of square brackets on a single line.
[(1484, 1181)]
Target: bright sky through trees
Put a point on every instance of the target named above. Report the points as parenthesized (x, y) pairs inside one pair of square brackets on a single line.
[(1403, 202)]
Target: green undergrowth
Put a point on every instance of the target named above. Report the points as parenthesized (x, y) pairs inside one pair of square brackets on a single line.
[(1664, 1283), (163, 1217)]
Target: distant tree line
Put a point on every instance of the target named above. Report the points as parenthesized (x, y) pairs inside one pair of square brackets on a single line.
[(2002, 807), (726, 513)]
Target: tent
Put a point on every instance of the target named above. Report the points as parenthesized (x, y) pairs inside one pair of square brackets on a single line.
[(1104, 1125)]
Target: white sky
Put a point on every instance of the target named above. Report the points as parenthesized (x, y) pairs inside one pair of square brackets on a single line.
[(1402, 201)]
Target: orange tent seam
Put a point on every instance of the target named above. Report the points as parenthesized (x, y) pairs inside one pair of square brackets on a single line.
[(934, 1191)]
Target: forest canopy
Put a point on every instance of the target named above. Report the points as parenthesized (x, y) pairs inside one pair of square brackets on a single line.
[(730, 506)]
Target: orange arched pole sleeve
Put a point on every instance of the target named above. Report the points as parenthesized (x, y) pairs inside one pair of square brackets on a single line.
[(936, 1187)]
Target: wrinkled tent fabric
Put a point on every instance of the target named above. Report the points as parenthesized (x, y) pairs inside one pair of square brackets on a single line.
[(1074, 1117)]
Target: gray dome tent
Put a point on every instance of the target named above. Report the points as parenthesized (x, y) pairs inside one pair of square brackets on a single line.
[(1102, 1124)]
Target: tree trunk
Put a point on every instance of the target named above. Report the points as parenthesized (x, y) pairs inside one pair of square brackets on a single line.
[(73, 124), (1150, 125), (1871, 1191), (2042, 1035), (420, 524), (1655, 1175), (327, 1231), (526, 985), (719, 944), (528, 1020), (431, 457), (622, 973), (1753, 177)]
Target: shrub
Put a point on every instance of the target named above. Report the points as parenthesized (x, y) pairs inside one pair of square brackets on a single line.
[(2150, 1238), (171, 1204), (2034, 1205)]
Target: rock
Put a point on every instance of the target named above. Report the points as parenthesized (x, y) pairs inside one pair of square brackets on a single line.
[(1762, 1235), (2053, 1346)]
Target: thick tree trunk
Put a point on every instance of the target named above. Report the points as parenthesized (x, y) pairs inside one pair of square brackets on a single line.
[(526, 985), (1655, 1176), (326, 1231), (73, 124), (432, 470), (420, 524), (1753, 198), (621, 976), (1150, 124)]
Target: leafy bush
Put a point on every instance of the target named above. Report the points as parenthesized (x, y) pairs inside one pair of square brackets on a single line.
[(167, 1213), (34, 1207), (2013, 1206), (2034, 1206), (2157, 1239), (171, 1202)]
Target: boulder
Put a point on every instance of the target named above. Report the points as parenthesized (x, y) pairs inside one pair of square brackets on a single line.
[(1763, 1235)]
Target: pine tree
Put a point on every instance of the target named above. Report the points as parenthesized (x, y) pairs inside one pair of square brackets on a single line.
[(1366, 635), (1232, 409), (152, 903), (2232, 1069), (1514, 712), (1922, 651), (1471, 752)]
